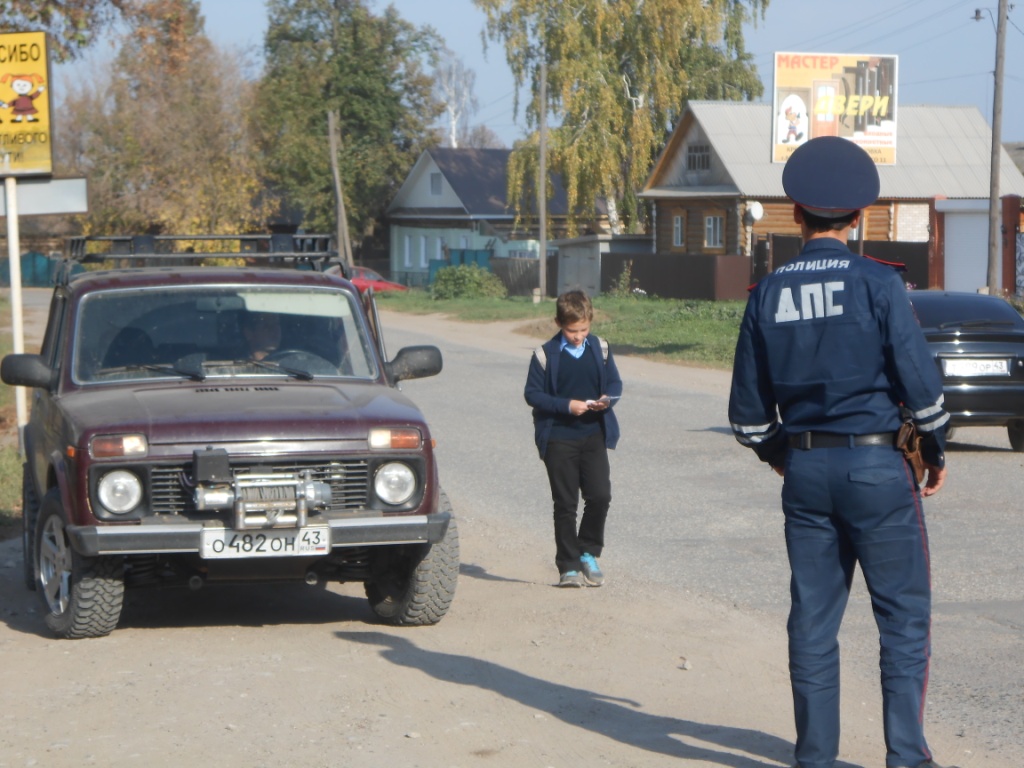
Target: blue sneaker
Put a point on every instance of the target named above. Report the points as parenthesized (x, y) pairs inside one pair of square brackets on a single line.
[(591, 570), (572, 579)]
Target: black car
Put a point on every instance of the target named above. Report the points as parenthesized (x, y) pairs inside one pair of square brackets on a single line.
[(978, 343), (197, 424)]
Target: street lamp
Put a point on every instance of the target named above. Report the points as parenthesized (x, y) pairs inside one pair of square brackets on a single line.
[(994, 239)]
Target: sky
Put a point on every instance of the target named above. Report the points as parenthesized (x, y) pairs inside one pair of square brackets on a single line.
[(945, 57)]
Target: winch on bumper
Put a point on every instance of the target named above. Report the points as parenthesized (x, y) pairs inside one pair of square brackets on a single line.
[(270, 516)]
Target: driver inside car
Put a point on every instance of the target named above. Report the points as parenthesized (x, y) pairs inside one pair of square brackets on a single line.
[(262, 333)]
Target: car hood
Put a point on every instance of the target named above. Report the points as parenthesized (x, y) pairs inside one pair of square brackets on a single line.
[(240, 412)]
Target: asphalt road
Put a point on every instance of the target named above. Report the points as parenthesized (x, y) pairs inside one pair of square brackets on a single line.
[(694, 511)]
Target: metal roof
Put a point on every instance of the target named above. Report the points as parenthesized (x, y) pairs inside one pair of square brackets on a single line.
[(941, 151)]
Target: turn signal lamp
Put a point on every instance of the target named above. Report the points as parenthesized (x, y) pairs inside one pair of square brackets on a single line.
[(117, 446), (406, 438)]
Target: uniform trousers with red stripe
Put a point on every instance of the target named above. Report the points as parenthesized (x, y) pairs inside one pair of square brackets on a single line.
[(845, 506)]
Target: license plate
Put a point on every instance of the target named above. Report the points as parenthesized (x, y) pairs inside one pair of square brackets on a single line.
[(222, 543), (975, 367)]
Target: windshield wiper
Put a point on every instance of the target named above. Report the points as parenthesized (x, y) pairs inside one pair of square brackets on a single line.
[(974, 323), (191, 373), (295, 373)]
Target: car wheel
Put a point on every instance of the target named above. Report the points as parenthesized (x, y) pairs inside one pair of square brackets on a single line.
[(1015, 429), (81, 596), (29, 514), (415, 585)]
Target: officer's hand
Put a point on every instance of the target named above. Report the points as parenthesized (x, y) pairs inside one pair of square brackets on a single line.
[(936, 477)]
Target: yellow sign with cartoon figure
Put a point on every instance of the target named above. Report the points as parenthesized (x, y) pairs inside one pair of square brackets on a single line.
[(24, 105), (835, 94)]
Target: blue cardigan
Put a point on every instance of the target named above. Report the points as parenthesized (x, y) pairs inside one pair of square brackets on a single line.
[(542, 391)]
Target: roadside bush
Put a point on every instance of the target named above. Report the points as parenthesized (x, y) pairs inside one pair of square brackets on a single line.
[(466, 281), (625, 287)]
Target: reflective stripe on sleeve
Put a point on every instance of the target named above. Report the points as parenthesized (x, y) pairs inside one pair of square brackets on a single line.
[(757, 434)]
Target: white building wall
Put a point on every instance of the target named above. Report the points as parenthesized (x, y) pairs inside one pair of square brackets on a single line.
[(966, 243), (912, 222)]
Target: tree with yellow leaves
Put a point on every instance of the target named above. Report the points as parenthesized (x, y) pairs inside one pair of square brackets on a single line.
[(162, 133), (619, 74)]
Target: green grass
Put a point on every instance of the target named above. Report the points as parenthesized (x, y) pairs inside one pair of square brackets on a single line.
[(484, 310), (668, 330), (10, 461)]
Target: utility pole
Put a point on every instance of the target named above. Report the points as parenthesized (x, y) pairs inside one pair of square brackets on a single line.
[(334, 142), (542, 177), (994, 230)]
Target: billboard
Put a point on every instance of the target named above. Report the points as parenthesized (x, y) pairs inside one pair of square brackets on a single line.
[(835, 94), (24, 105)]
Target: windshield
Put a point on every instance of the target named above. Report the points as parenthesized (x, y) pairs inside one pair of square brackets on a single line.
[(201, 332), (946, 311)]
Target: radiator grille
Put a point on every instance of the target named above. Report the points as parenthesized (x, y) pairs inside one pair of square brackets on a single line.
[(171, 486)]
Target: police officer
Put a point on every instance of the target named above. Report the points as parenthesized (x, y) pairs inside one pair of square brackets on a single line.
[(829, 361)]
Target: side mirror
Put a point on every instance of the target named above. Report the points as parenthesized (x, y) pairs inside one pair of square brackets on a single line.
[(415, 363), (26, 371)]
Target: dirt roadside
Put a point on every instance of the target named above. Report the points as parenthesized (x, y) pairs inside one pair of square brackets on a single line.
[(518, 674)]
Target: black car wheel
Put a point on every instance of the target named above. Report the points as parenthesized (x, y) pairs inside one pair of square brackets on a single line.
[(417, 584), (1015, 429), (29, 514), (81, 596)]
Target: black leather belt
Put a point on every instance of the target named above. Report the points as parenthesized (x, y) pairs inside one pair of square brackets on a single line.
[(807, 440)]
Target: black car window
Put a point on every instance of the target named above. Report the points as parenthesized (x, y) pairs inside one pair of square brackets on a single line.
[(940, 310)]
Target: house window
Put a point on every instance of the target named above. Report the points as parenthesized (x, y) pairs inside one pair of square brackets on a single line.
[(435, 183), (698, 157), (678, 231), (463, 242), (713, 227), (407, 251), (423, 251)]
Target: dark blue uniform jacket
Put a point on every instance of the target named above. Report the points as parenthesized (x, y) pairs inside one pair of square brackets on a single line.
[(542, 391), (829, 343)]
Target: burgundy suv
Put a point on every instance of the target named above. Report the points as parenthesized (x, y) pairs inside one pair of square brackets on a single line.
[(195, 424)]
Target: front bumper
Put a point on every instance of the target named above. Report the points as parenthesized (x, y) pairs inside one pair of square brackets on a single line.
[(167, 535)]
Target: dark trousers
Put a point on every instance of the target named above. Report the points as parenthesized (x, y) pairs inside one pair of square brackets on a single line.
[(845, 506), (578, 467)]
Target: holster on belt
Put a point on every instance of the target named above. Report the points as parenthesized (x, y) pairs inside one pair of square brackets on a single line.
[(908, 441)]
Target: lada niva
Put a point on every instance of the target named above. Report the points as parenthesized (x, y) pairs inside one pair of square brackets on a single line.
[(204, 424)]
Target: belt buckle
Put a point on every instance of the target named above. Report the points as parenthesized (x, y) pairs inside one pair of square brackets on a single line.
[(805, 441)]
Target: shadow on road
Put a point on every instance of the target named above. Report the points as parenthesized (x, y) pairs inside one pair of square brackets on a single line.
[(257, 605), (479, 572), (615, 718)]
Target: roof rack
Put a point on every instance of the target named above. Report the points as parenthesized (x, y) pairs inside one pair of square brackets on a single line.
[(299, 251)]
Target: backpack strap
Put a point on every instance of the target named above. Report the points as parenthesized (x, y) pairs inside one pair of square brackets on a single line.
[(542, 356)]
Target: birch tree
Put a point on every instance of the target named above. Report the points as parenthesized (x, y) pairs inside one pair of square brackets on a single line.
[(619, 75), (453, 88)]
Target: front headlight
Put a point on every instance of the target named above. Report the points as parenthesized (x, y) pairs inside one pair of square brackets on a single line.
[(119, 491), (394, 483)]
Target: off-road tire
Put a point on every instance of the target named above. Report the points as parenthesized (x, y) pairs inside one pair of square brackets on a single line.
[(81, 596), (29, 515), (418, 585), (1015, 431)]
